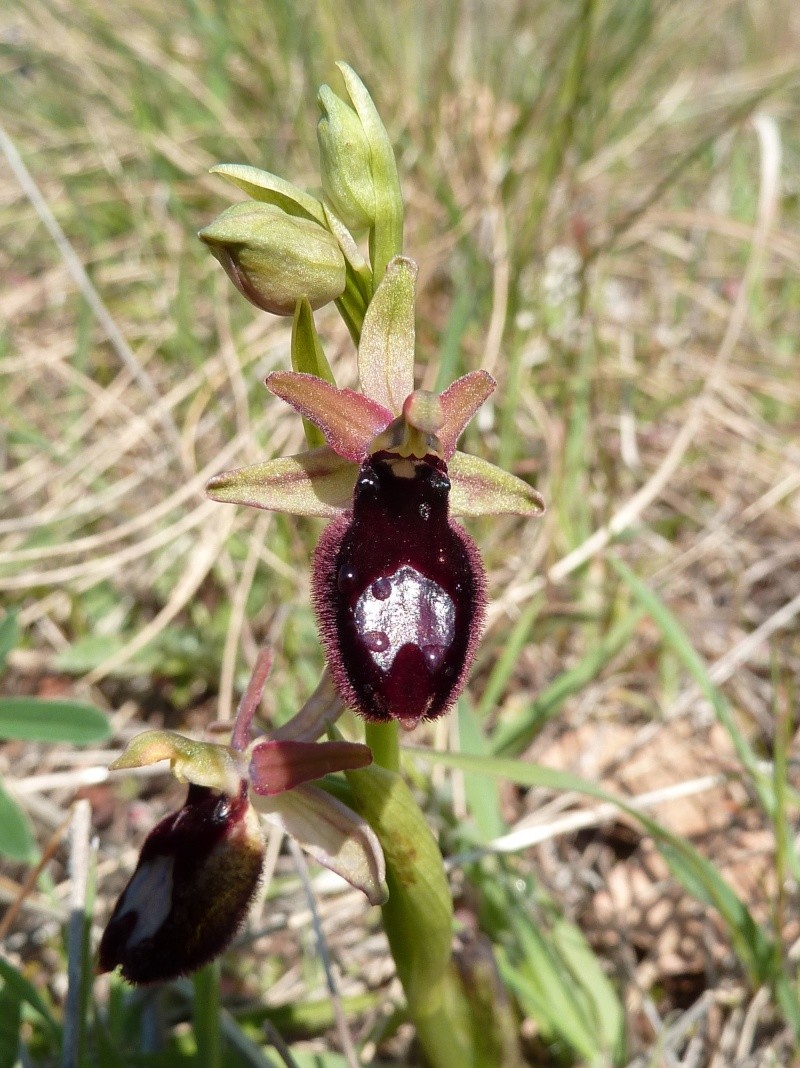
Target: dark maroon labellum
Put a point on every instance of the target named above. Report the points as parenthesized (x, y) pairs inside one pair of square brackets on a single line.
[(399, 591), (197, 874)]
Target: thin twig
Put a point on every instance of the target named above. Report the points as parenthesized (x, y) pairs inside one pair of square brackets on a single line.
[(276, 1040), (76, 943), (341, 1024)]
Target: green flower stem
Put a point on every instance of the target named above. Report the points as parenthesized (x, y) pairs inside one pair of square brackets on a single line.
[(383, 739), (208, 1035), (418, 917)]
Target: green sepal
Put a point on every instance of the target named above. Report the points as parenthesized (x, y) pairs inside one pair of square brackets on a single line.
[(270, 189), (208, 764), (345, 161), (481, 488), (316, 483), (386, 352)]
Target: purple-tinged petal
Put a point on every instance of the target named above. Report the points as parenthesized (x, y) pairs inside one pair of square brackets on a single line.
[(277, 766), (312, 483), (348, 420), (460, 402), (386, 349), (480, 488), (322, 708), (333, 834), (251, 699), (197, 874)]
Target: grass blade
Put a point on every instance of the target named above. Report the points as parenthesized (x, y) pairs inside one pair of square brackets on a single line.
[(676, 638), (16, 840), (511, 738), (695, 873)]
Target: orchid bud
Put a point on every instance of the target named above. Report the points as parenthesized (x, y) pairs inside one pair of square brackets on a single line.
[(197, 875), (275, 259), (345, 162)]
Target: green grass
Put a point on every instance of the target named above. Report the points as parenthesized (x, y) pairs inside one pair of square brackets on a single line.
[(618, 131)]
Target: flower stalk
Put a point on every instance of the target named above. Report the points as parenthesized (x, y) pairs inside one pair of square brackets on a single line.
[(398, 585)]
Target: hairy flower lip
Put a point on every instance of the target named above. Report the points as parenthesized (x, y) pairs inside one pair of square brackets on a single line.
[(399, 591), (387, 450), (198, 872)]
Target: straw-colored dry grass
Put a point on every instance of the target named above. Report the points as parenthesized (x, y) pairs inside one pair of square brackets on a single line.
[(603, 200)]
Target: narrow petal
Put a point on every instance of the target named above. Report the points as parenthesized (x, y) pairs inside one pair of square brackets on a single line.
[(348, 420), (279, 765), (322, 708), (460, 402), (480, 488), (333, 834), (386, 350), (313, 483), (251, 699)]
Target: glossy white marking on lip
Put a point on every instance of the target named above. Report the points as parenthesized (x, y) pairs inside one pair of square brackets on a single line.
[(415, 610), (149, 896)]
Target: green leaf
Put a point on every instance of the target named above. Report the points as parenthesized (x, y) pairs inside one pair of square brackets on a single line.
[(607, 1012), (510, 738), (695, 873), (87, 652), (31, 719), (482, 795), (676, 638), (506, 662), (9, 636), (546, 990), (19, 987), (16, 840), (10, 1020)]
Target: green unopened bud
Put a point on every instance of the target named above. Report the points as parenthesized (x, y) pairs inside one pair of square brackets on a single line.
[(275, 259), (345, 162)]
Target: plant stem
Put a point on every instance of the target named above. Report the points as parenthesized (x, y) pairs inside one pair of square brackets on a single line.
[(207, 1033), (383, 740)]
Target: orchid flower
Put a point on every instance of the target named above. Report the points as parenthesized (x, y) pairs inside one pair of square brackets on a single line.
[(200, 868), (398, 586)]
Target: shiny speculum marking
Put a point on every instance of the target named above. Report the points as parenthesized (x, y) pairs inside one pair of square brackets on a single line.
[(405, 608), (398, 588)]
